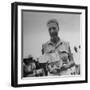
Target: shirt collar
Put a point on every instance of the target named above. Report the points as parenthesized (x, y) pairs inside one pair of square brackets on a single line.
[(59, 42)]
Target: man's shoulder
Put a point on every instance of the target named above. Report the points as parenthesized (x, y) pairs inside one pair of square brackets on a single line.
[(61, 41), (64, 42), (45, 44)]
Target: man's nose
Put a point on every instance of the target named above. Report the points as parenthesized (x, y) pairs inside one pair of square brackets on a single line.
[(52, 30)]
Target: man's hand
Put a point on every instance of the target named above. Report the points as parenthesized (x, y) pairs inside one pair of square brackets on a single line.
[(69, 65), (66, 66)]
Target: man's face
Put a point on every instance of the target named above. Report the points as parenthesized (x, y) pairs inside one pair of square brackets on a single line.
[(53, 31)]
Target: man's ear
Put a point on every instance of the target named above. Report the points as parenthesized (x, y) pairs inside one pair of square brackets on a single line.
[(42, 51)]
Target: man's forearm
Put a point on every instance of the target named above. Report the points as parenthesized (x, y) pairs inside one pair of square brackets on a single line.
[(70, 64)]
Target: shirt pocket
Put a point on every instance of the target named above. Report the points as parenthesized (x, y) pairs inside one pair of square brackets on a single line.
[(49, 49)]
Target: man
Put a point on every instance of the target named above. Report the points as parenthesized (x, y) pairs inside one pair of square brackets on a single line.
[(59, 47)]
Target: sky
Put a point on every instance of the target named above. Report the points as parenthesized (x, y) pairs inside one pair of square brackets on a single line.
[(35, 31)]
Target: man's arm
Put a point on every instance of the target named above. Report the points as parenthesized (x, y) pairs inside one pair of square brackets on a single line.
[(42, 50), (71, 60)]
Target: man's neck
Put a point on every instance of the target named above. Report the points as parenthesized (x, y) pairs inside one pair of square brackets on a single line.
[(55, 40)]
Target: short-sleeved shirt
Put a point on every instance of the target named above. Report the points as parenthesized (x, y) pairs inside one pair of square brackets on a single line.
[(62, 47)]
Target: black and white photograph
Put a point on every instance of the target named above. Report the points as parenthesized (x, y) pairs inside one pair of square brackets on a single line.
[(50, 44)]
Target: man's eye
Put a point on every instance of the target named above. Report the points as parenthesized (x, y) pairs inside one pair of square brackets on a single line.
[(52, 28)]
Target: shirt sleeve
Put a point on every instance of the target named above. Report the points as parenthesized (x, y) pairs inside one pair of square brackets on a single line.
[(70, 56), (46, 48), (42, 49)]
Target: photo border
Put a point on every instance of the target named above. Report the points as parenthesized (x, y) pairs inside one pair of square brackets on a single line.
[(14, 43)]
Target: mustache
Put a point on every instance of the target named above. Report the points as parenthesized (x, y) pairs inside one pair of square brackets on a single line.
[(54, 33)]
